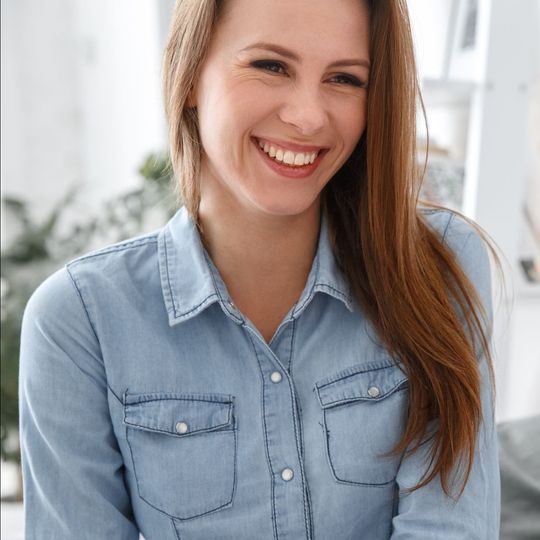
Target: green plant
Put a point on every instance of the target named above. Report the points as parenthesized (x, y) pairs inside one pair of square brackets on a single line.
[(37, 249)]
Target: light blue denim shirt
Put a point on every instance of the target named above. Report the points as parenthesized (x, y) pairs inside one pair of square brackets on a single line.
[(149, 404)]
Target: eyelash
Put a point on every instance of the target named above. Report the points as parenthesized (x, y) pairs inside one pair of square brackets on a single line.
[(266, 64)]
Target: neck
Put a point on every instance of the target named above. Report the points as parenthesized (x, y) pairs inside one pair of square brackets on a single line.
[(263, 259)]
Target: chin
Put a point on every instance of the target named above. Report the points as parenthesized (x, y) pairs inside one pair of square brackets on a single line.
[(284, 206)]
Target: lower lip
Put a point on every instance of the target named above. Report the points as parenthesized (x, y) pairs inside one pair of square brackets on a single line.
[(285, 170)]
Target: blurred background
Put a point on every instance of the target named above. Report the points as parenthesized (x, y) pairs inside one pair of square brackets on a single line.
[(84, 160)]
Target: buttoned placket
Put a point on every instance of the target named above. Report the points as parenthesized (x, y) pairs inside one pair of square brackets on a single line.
[(291, 512)]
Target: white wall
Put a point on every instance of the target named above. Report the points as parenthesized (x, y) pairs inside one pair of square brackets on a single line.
[(479, 105), (41, 108), (81, 96)]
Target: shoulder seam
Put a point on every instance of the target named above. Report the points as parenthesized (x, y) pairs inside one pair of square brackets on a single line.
[(79, 294), (116, 247), (450, 219), (465, 242)]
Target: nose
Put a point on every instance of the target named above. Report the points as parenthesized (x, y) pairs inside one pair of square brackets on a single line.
[(305, 110)]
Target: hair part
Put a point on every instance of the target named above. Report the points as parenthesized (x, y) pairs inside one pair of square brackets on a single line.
[(402, 274)]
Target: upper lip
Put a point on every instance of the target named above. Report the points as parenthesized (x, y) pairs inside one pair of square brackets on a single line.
[(290, 145)]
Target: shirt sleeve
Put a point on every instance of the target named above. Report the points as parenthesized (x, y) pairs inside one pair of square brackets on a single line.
[(428, 513), (73, 480)]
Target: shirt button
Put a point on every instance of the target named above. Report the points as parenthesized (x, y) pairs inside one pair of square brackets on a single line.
[(181, 427), (373, 391), (275, 377), (287, 474)]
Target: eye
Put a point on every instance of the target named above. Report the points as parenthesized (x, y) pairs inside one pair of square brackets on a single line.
[(269, 65), (350, 80), (279, 68)]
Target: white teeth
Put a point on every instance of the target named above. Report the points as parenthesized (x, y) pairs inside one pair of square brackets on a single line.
[(288, 157), (299, 159)]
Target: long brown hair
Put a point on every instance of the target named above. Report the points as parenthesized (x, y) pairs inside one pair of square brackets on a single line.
[(374, 220)]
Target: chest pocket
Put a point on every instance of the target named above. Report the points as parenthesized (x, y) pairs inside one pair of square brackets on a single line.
[(184, 450), (364, 414)]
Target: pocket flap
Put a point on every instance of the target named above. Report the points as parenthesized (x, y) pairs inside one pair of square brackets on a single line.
[(372, 382), (178, 414)]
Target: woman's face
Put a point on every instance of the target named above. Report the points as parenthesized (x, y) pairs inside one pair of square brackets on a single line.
[(290, 75)]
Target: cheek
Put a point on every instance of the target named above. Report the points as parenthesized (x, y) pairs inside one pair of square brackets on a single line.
[(353, 124), (234, 109)]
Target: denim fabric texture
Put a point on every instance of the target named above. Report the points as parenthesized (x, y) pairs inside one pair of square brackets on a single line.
[(149, 404)]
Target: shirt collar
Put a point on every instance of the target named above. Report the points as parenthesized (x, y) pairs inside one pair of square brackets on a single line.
[(190, 281)]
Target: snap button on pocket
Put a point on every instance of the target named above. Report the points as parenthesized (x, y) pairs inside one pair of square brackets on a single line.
[(181, 427), (183, 448), (364, 410)]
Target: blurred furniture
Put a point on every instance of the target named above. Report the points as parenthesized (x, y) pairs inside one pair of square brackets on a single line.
[(519, 451)]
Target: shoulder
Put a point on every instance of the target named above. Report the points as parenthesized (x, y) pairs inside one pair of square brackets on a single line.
[(59, 295), (460, 234), (119, 253), (466, 242)]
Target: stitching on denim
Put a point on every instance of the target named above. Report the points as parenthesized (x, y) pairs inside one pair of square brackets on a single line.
[(333, 289), (306, 485), (152, 429), (329, 459), (208, 432), (293, 401), (310, 509), (175, 519), (166, 253), (175, 530), (189, 399), (279, 330), (296, 437), (113, 393), (398, 387), (269, 461), (435, 211), (311, 291), (213, 427), (79, 294), (450, 219), (186, 313), (307, 510), (293, 342), (228, 503), (218, 293), (368, 367), (219, 398), (177, 313), (465, 242), (149, 239)]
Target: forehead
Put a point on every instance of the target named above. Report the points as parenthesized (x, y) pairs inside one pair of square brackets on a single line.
[(324, 27)]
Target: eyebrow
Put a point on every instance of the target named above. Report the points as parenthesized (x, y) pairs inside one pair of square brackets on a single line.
[(278, 49)]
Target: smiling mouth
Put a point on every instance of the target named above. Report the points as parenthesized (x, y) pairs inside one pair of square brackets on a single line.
[(287, 157)]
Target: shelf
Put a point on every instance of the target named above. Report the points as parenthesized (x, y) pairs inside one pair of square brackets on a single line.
[(446, 92)]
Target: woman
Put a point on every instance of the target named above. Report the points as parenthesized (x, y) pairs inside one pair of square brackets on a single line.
[(301, 352)]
